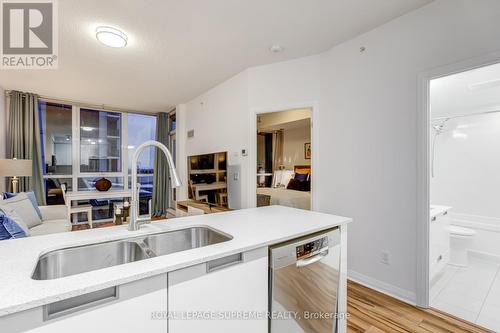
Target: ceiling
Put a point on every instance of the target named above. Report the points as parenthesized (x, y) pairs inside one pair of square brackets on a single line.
[(179, 49), (287, 120), (468, 92)]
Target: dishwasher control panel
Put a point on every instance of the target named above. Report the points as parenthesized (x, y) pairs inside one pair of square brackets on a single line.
[(307, 250)]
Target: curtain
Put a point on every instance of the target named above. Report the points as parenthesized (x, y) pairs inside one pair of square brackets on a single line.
[(277, 149), (25, 141), (161, 182), (269, 152)]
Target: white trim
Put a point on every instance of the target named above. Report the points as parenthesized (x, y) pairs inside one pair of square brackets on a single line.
[(380, 286), (423, 183), (342, 293), (251, 181)]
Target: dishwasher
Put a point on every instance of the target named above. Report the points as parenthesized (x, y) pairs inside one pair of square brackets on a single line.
[(304, 283)]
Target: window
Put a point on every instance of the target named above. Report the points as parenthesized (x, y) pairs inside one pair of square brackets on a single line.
[(81, 145), (172, 123), (100, 141), (57, 148), (142, 128), (56, 127)]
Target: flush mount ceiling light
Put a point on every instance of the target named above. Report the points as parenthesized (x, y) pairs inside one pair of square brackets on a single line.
[(111, 37)]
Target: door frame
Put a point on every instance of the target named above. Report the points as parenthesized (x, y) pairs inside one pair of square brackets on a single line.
[(254, 113), (423, 163)]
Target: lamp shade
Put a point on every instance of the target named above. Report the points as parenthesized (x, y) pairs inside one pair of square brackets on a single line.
[(15, 168)]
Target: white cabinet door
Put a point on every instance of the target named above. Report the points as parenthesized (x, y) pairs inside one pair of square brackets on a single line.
[(209, 297), (439, 244), (136, 309)]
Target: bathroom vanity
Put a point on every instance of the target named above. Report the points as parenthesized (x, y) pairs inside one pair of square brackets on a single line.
[(439, 240), (202, 273)]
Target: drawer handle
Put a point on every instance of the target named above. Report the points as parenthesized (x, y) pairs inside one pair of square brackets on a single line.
[(309, 261), (224, 262), (79, 303)]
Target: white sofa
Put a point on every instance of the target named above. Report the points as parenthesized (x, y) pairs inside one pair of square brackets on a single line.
[(54, 220)]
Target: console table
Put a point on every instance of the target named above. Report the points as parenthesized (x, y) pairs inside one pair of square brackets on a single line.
[(72, 196)]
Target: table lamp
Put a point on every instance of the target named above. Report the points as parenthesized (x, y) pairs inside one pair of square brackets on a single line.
[(15, 168)]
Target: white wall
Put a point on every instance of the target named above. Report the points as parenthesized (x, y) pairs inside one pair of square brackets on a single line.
[(365, 120), (3, 132), (369, 123), (219, 120), (180, 152), (293, 146)]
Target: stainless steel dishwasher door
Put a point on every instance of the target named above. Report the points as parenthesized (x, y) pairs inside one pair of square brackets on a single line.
[(303, 282)]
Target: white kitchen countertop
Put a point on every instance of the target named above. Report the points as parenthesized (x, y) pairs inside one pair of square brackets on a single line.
[(250, 229)]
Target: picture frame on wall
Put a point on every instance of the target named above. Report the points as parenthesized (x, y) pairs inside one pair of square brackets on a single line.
[(307, 150)]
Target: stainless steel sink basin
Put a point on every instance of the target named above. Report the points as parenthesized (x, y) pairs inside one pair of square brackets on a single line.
[(185, 239), (76, 260)]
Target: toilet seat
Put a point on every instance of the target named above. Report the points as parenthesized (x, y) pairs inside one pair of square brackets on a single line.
[(461, 231)]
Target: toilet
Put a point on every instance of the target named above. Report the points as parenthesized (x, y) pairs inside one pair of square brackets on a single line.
[(460, 241)]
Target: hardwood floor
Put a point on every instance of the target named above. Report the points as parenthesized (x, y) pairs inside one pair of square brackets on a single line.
[(374, 312)]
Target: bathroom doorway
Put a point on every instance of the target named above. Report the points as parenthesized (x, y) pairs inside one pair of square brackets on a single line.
[(464, 195)]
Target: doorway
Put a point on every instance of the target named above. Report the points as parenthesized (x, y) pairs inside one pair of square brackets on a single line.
[(283, 159), (463, 194)]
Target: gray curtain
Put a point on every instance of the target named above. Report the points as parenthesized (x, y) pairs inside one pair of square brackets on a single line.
[(161, 185), (278, 139), (24, 140)]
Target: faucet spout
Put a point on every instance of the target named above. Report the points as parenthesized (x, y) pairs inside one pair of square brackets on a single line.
[(174, 179)]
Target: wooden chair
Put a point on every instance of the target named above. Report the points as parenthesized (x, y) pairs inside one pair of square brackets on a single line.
[(78, 209), (222, 198), (203, 197)]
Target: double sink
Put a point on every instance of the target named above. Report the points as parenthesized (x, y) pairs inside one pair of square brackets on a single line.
[(80, 259)]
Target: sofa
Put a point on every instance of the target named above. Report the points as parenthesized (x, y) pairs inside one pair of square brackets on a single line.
[(54, 220), (22, 217)]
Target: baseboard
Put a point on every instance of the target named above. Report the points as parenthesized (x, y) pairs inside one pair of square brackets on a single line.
[(383, 287), (484, 256)]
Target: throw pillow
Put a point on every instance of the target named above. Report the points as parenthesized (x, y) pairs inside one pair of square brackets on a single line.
[(9, 212), (31, 196), (305, 186), (301, 176), (9, 228), (22, 205), (294, 184)]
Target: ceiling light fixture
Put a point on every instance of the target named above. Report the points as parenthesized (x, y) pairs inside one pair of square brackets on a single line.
[(111, 37)]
